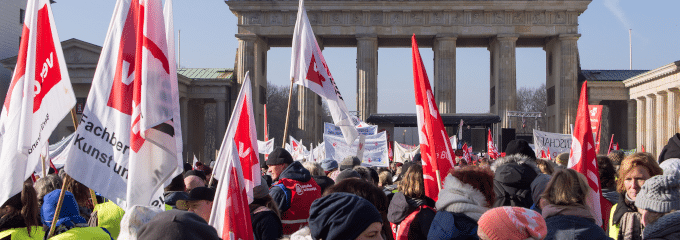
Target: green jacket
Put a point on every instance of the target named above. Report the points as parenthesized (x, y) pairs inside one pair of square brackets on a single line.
[(109, 216), (37, 233)]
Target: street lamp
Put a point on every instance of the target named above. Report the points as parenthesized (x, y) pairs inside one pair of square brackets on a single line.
[(404, 136)]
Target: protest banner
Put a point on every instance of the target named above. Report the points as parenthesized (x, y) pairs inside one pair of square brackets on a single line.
[(375, 149), (265, 147), (403, 152), (329, 128), (555, 142)]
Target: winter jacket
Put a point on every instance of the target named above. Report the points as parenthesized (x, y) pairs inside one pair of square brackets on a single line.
[(109, 215), (37, 233), (266, 225), (571, 222), (573, 227), (666, 227), (672, 149), (401, 206), (623, 207), (460, 207), (324, 182), (294, 193), (513, 176)]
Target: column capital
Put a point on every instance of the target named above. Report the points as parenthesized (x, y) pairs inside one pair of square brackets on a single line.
[(662, 93), (446, 36), (569, 36), (507, 37), (367, 36), (246, 36), (673, 90)]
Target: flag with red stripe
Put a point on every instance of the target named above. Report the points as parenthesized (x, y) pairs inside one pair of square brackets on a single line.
[(38, 98)]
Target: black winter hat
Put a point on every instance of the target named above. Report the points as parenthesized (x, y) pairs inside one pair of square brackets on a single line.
[(279, 156), (672, 149), (341, 216), (520, 146), (177, 224)]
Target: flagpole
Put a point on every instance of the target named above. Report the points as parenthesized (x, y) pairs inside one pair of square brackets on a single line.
[(59, 203), (44, 172), (285, 129), (439, 180)]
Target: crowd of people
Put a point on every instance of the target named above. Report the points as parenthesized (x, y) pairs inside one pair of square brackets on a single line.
[(518, 196)]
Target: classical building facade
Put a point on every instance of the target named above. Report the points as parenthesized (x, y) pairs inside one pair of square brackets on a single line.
[(206, 98), (499, 26), (656, 94)]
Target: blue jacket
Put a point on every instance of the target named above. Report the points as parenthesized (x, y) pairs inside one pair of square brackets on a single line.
[(449, 225), (573, 227)]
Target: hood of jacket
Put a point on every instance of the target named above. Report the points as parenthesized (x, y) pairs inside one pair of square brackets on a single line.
[(672, 148), (401, 206), (516, 174), (297, 172), (459, 197), (515, 158)]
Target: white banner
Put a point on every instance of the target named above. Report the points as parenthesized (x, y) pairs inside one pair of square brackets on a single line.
[(320, 152), (375, 149), (403, 153), (329, 128), (557, 142), (265, 147)]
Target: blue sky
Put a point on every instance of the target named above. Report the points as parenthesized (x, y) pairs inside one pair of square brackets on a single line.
[(208, 27)]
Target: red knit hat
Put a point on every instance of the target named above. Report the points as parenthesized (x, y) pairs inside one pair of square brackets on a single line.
[(512, 223)]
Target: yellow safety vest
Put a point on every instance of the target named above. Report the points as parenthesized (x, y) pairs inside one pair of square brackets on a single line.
[(90, 233), (37, 233), (613, 228), (109, 216)]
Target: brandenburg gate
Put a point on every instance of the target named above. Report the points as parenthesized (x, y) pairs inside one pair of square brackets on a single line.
[(499, 26)]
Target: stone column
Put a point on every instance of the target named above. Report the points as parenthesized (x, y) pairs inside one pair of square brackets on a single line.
[(650, 131), (504, 77), (445, 73), (567, 94), (184, 112), (259, 81), (660, 119), (672, 113), (367, 75), (641, 128), (245, 60), (222, 120), (632, 113)]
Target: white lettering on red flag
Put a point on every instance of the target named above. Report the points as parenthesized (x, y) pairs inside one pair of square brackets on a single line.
[(126, 147), (38, 98), (435, 148), (308, 68), (241, 133), (582, 157)]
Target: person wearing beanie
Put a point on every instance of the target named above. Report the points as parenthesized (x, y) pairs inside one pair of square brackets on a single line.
[(565, 209), (671, 150), (294, 189), (179, 225), (520, 146), (563, 159), (625, 222), (658, 201), (511, 223), (264, 214), (329, 165), (200, 201), (343, 216), (513, 175), (466, 195), (70, 225), (349, 162)]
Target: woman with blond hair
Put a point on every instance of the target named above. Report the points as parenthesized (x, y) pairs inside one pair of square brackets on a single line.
[(411, 212), (564, 208), (625, 221)]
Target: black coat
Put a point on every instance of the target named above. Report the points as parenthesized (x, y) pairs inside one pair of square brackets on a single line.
[(512, 185)]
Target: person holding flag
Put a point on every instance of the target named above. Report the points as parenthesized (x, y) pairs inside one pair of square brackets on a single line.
[(38, 98)]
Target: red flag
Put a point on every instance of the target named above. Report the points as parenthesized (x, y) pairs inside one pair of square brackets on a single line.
[(549, 156), (242, 133), (230, 214), (582, 157), (266, 128), (492, 151), (611, 144), (543, 154), (616, 147), (38, 98), (435, 148), (643, 148)]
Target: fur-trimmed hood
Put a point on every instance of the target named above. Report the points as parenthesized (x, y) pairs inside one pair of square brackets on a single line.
[(459, 197), (515, 158)]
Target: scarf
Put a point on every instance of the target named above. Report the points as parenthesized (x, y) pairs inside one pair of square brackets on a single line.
[(628, 219), (458, 197), (550, 210)]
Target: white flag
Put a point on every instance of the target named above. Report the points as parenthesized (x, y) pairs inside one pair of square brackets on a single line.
[(38, 98), (126, 146), (242, 133), (265, 147), (308, 68)]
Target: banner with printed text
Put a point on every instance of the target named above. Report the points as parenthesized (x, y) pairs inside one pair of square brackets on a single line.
[(556, 142), (332, 129), (375, 149)]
